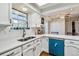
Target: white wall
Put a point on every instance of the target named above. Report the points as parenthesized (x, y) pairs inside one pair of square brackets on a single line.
[(12, 34), (35, 20), (58, 25)]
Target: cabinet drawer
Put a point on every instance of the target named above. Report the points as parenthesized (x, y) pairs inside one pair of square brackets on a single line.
[(37, 40), (12, 52), (27, 45), (17, 50), (67, 42), (5, 54), (28, 52)]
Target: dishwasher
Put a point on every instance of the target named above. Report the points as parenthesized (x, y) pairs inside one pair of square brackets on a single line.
[(71, 48)]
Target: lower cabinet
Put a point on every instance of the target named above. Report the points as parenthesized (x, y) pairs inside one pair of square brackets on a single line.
[(56, 47), (71, 48), (45, 44), (37, 49), (14, 52), (28, 52), (19, 54), (32, 48), (28, 49)]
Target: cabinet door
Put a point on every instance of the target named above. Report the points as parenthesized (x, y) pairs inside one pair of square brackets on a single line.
[(71, 51), (37, 50), (68, 28), (4, 13), (44, 42), (71, 48), (29, 52), (14, 52), (77, 27), (56, 47), (28, 49), (19, 54)]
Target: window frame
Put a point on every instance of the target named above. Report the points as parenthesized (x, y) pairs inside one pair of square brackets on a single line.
[(21, 20)]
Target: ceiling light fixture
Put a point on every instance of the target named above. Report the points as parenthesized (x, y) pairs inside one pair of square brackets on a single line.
[(24, 9), (71, 9), (40, 4), (62, 17)]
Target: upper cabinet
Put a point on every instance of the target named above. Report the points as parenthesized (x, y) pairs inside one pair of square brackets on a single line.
[(5, 13)]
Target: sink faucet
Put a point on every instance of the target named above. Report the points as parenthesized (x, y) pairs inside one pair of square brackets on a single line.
[(23, 33)]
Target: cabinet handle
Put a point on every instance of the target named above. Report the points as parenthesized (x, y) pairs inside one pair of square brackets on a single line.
[(28, 45), (55, 44), (21, 54), (34, 48)]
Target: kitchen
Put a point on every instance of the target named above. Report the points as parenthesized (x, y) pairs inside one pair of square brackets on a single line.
[(33, 29)]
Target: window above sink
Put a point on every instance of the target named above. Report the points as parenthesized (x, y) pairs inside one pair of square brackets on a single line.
[(19, 20)]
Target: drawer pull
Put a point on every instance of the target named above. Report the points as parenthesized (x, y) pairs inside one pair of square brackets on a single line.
[(37, 41), (28, 45), (55, 44)]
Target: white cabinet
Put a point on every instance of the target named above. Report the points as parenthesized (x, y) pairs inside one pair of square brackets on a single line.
[(32, 48), (71, 51), (77, 27), (44, 42), (28, 49), (71, 48), (19, 54), (4, 13), (37, 49), (69, 28), (28, 52), (14, 52)]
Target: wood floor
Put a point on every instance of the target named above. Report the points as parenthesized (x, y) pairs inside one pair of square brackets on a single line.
[(43, 53)]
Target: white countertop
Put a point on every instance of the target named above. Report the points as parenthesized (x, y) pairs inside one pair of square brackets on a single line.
[(64, 37), (12, 43)]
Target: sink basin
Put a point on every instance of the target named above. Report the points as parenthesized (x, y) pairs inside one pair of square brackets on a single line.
[(27, 38)]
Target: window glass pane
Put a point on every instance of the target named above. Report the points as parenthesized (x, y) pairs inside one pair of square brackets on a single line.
[(19, 19)]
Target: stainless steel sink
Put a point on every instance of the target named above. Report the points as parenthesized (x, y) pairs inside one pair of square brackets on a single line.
[(25, 39)]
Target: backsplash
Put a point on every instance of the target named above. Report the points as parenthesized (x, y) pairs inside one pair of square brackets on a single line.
[(30, 32), (12, 34)]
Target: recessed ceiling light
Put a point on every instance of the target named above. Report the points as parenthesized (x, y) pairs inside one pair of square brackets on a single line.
[(40, 4), (24, 9), (62, 17), (71, 9)]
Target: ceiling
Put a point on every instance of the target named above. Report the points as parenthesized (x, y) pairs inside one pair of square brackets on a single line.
[(54, 7), (41, 4), (20, 6), (49, 9)]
